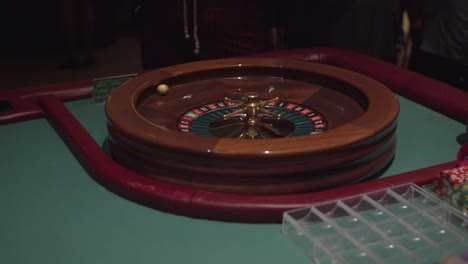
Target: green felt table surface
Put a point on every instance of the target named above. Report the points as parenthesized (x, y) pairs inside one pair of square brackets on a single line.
[(51, 211)]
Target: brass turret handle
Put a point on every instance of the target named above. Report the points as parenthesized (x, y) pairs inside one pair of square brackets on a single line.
[(252, 108), (250, 111)]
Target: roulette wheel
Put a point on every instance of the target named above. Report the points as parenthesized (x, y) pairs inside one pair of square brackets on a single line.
[(253, 126)]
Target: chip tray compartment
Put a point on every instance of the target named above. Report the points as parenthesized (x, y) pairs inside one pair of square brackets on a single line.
[(401, 224)]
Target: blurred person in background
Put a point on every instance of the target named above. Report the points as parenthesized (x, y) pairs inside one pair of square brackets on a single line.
[(179, 31), (441, 51)]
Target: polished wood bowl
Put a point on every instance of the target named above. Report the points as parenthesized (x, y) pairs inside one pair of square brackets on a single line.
[(355, 141)]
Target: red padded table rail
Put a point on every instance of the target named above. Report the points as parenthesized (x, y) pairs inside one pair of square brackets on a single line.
[(48, 100)]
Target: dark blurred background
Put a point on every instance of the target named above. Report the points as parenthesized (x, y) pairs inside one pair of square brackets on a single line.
[(32, 43), (32, 28)]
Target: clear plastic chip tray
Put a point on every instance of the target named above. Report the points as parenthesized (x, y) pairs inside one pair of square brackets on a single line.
[(401, 224)]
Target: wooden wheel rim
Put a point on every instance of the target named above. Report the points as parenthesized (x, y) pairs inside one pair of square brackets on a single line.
[(381, 112)]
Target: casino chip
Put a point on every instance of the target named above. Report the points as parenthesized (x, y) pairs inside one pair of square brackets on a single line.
[(448, 179), (458, 196)]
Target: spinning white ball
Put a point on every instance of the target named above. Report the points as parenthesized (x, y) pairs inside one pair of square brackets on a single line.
[(162, 89)]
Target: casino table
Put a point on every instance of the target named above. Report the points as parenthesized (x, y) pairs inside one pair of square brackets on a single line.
[(64, 200)]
